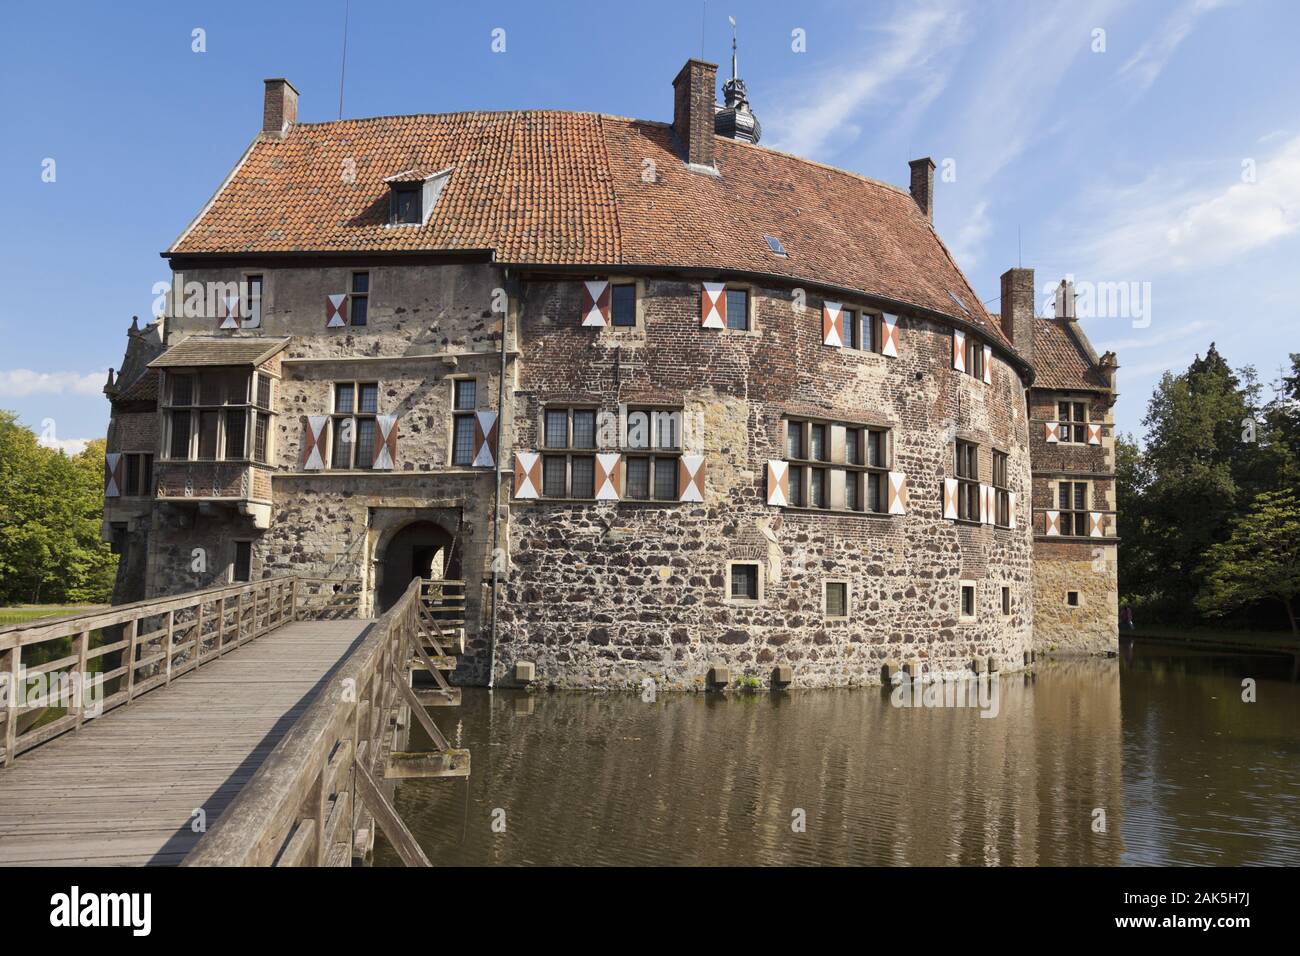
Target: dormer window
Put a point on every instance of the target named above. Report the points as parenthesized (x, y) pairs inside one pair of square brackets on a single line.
[(412, 194), (406, 204)]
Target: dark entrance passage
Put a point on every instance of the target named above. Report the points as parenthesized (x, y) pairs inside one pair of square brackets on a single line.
[(421, 549)]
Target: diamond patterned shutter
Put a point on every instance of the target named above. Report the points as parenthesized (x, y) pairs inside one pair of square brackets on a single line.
[(778, 483), (1096, 528), (986, 504), (833, 324), (609, 477), (1053, 523), (1094, 434), (230, 312), (713, 306), (113, 463), (959, 350), (1053, 432), (950, 497), (690, 477), (988, 365), (336, 311), (595, 303), (385, 442), (1011, 509), (897, 493), (485, 439), (528, 474), (314, 452), (889, 335)]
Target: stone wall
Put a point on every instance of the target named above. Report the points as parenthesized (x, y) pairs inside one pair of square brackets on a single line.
[(1091, 627), (612, 593)]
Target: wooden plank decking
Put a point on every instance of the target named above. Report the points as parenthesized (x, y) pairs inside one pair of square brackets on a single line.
[(124, 788)]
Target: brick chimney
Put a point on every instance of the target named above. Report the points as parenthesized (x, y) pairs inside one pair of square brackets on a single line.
[(1018, 310), (279, 108), (694, 103), (923, 185)]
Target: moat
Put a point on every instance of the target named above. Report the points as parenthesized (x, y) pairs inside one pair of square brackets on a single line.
[(1158, 741)]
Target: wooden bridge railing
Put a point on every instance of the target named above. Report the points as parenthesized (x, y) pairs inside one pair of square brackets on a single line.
[(318, 795), (46, 665)]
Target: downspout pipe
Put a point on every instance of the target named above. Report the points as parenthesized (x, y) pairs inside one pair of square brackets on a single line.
[(496, 486)]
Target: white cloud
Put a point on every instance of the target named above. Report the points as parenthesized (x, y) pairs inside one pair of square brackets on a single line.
[(972, 235), (1177, 334), (1154, 55), (1173, 222), (70, 446), (917, 39), (21, 382)]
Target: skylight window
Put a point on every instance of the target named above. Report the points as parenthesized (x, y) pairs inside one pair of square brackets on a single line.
[(774, 244), (956, 298)]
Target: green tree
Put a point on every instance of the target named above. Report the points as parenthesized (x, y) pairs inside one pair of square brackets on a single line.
[(1259, 561)]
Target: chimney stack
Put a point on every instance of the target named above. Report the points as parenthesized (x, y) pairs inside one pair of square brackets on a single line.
[(694, 103), (1018, 310), (923, 185), (279, 108)]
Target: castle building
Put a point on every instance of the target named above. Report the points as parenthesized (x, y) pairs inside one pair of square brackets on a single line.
[(664, 399)]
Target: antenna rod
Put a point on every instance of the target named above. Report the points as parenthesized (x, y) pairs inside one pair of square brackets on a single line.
[(343, 68), (704, 16)]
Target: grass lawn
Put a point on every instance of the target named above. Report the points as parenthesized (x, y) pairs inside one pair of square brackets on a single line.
[(1209, 635), (17, 615)]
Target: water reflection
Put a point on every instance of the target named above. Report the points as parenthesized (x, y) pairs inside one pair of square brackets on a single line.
[(1162, 745)]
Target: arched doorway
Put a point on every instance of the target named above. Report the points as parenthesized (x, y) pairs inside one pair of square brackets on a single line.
[(420, 549)]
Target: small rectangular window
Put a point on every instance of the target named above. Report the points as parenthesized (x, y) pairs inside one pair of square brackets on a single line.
[(849, 318), (775, 245), (243, 567), (622, 305), (852, 491), (180, 427), (968, 488), (853, 446), (666, 479), (584, 428), (557, 428), (968, 600), (466, 394), (738, 309), (744, 582), (794, 439), (406, 204), (236, 425), (837, 599), (464, 440), (876, 449), (353, 426), (584, 477), (638, 478), (795, 482), (359, 300), (1006, 600), (553, 476), (817, 448), (1072, 598), (817, 488), (875, 492), (869, 337)]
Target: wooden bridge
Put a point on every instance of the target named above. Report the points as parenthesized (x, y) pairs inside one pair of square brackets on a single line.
[(254, 724)]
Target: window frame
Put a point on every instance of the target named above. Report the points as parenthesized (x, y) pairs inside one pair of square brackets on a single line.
[(356, 415), (868, 480), (864, 320), (968, 485), (142, 486), (974, 357), (635, 286), (827, 584), (1076, 517), (1006, 600), (657, 456), (459, 414), (236, 544), (1001, 488), (1072, 430), (962, 587), (730, 597), (353, 295), (751, 325), (415, 189), (567, 453), (251, 409)]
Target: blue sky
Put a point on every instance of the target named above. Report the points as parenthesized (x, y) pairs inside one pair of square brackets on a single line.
[(1162, 150)]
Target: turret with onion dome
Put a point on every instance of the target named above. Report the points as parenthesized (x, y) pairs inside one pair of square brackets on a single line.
[(735, 119)]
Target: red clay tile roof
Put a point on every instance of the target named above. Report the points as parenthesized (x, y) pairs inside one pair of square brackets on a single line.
[(1061, 358), (560, 188)]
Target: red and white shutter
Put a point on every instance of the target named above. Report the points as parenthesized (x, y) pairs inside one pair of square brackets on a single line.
[(230, 312), (1053, 523), (778, 483), (1011, 509), (690, 478), (713, 306), (113, 475), (988, 365), (889, 335), (485, 439), (896, 497), (833, 324), (314, 453), (528, 474), (959, 350), (986, 503), (950, 497), (1053, 431), (595, 303), (609, 477), (336, 311), (385, 442), (1094, 434), (1096, 526)]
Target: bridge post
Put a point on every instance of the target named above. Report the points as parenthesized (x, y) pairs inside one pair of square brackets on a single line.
[(128, 655), (171, 629), (83, 645), (11, 706)]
